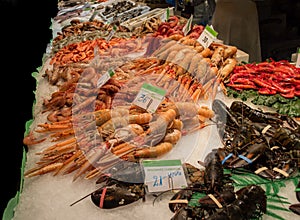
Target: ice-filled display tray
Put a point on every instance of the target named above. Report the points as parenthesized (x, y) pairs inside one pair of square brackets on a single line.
[(132, 13), (115, 8), (157, 12)]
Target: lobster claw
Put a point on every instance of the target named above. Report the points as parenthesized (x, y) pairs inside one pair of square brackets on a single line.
[(254, 152), (275, 165), (179, 205), (298, 191), (180, 214), (285, 168), (217, 201), (295, 208), (179, 200)]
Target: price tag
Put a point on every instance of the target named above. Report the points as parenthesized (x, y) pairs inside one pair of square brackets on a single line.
[(207, 36), (104, 78), (112, 32), (165, 16), (95, 12), (149, 97), (162, 175), (298, 58), (188, 26)]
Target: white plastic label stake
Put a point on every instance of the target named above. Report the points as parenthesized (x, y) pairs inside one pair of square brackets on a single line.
[(298, 58), (188, 26), (104, 78), (112, 32), (149, 97), (165, 16), (162, 175), (207, 36)]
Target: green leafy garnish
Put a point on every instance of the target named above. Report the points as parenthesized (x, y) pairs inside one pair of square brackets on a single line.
[(281, 105)]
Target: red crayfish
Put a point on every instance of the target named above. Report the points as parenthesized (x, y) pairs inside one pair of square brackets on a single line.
[(268, 78)]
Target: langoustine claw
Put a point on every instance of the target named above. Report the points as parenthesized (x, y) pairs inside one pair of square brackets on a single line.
[(29, 139)]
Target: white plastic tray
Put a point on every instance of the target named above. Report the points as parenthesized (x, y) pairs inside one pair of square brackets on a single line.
[(137, 21)]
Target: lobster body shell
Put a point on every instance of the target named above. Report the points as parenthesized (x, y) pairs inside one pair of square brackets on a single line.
[(296, 207), (113, 197), (256, 115), (123, 184), (213, 175)]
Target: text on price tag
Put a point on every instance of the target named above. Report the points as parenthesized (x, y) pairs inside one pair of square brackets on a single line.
[(162, 175), (149, 97), (207, 36)]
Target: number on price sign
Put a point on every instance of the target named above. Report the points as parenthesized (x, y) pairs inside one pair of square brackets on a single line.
[(161, 175), (149, 97), (207, 36)]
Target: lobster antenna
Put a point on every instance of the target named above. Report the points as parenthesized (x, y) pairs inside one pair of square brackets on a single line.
[(83, 198), (80, 199), (242, 115)]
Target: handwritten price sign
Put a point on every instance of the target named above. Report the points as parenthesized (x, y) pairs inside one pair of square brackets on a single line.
[(207, 36), (162, 175), (149, 97)]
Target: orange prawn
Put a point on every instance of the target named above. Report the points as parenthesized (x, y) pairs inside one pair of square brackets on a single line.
[(173, 136), (142, 118), (155, 151)]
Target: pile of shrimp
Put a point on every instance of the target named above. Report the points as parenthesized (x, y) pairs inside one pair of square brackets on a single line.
[(89, 143)]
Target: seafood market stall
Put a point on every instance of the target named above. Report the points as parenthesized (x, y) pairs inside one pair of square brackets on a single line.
[(140, 114)]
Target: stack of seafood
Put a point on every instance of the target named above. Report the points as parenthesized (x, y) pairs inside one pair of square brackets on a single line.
[(125, 130), (268, 78), (83, 52), (265, 143)]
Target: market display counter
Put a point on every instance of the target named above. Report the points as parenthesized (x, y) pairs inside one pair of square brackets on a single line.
[(111, 95)]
